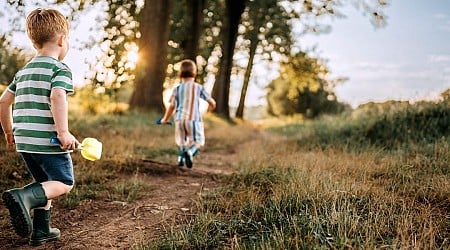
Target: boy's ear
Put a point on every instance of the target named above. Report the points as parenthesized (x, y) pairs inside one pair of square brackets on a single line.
[(61, 40)]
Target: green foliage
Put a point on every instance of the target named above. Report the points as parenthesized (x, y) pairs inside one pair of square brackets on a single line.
[(392, 125), (268, 24), (11, 60), (120, 38), (421, 123), (303, 88), (98, 100)]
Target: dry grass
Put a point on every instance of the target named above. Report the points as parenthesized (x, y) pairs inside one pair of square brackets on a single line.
[(287, 194), (306, 186)]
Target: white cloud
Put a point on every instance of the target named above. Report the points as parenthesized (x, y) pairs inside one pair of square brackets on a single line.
[(439, 58), (375, 81), (444, 21), (440, 16)]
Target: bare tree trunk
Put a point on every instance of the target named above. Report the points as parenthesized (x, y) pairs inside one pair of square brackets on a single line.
[(192, 41), (152, 64), (221, 89), (248, 72)]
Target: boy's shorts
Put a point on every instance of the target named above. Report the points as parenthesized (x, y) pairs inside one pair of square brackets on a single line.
[(187, 131), (50, 167)]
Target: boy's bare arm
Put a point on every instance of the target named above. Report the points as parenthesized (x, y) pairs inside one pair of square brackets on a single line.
[(58, 100), (6, 102), (169, 112), (211, 104)]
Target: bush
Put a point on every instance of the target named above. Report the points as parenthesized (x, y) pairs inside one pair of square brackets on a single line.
[(391, 126)]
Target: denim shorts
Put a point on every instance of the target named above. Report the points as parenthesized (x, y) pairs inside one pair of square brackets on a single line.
[(50, 167)]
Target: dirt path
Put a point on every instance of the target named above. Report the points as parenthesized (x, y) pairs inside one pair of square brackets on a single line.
[(97, 224)]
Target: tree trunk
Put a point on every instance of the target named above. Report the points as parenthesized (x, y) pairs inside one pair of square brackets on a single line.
[(248, 72), (196, 26), (152, 64), (221, 89)]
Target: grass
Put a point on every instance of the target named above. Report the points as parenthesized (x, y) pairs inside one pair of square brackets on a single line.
[(127, 139), (332, 184), (369, 180)]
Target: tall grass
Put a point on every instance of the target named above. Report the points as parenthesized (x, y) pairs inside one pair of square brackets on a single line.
[(333, 184)]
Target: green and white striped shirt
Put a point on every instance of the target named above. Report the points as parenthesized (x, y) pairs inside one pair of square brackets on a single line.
[(33, 123)]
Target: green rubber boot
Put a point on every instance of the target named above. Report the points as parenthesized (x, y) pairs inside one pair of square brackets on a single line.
[(42, 232), (19, 202)]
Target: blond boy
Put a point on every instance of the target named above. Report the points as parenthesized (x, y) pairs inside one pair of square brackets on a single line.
[(39, 93)]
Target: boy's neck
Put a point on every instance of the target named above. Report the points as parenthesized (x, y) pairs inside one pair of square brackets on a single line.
[(49, 51), (187, 79)]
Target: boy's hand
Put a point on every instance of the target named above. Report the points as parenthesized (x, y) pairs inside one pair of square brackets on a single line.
[(10, 138), (211, 104), (68, 141), (161, 121)]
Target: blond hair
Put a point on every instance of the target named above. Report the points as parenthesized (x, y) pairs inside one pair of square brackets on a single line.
[(188, 68), (43, 25)]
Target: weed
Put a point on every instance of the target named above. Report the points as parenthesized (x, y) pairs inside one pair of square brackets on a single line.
[(126, 191)]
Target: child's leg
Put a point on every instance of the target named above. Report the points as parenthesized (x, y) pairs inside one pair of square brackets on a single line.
[(54, 177), (54, 189), (196, 139), (194, 149), (181, 141), (58, 179), (180, 158)]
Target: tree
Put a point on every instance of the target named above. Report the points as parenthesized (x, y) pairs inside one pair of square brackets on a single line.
[(303, 87), (268, 22), (152, 32), (190, 44), (266, 25), (229, 32), (187, 26), (151, 69)]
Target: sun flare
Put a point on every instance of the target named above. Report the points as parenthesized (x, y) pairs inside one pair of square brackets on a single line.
[(132, 56)]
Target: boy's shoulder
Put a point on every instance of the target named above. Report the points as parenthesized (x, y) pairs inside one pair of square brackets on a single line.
[(47, 62)]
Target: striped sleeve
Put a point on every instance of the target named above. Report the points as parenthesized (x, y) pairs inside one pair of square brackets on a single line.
[(63, 79), (204, 94), (12, 86)]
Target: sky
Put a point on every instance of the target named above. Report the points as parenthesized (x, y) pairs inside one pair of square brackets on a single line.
[(409, 59)]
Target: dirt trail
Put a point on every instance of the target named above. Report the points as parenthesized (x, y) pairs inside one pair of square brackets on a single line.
[(97, 224)]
